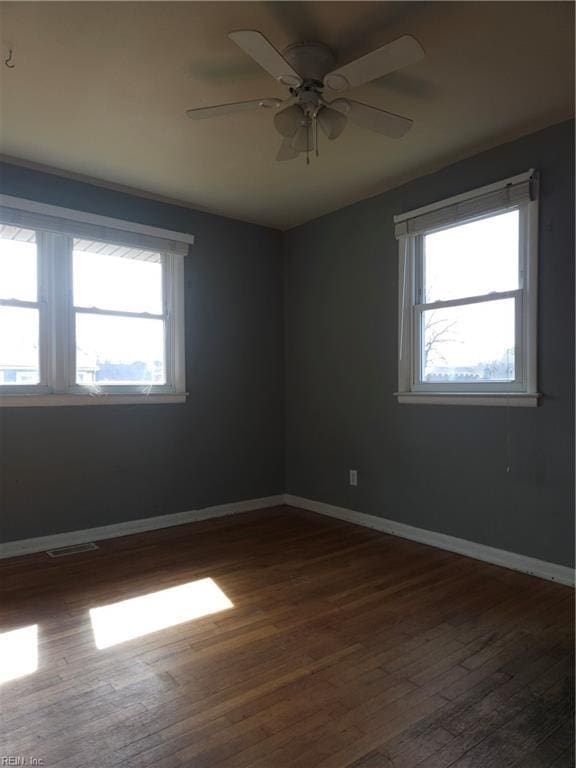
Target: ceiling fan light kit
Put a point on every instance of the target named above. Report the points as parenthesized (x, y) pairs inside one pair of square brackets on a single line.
[(331, 122), (308, 70), (288, 120)]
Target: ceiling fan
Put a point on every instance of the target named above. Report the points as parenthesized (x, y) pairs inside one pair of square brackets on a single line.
[(309, 71)]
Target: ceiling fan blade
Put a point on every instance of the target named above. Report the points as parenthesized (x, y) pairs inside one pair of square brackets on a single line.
[(395, 55), (332, 122), (228, 109), (288, 120), (263, 52), (372, 118), (287, 151)]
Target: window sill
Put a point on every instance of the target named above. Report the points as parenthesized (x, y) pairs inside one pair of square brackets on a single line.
[(31, 401), (512, 399)]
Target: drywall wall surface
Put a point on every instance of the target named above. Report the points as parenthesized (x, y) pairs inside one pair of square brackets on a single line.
[(70, 468), (442, 468)]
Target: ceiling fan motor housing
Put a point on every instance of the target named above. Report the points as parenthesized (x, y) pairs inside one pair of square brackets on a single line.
[(311, 60)]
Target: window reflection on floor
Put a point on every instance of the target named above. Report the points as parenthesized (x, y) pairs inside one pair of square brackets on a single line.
[(18, 653), (138, 616)]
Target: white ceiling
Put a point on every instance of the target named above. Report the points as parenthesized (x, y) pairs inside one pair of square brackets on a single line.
[(101, 89)]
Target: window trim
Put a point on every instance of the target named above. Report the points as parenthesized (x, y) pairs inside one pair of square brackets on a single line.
[(521, 392), (57, 314)]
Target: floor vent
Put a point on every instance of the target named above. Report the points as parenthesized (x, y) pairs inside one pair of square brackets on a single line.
[(75, 549)]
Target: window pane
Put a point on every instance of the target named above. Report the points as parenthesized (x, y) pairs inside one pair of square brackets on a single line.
[(116, 277), (18, 264), (119, 350), (472, 259), (472, 343), (19, 335)]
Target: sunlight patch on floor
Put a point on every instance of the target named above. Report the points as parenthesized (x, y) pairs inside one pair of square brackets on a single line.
[(139, 616), (18, 653)]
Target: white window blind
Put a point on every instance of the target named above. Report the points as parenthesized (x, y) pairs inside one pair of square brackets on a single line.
[(510, 195)]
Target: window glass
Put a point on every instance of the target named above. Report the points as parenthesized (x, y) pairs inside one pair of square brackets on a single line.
[(19, 346), (116, 350), (472, 259), (18, 264), (469, 343), (116, 277)]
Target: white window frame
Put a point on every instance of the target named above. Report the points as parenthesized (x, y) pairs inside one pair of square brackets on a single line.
[(523, 390), (57, 313)]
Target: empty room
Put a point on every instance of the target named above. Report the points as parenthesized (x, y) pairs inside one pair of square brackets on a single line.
[(287, 384)]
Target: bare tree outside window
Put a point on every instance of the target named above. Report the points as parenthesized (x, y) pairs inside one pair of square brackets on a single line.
[(437, 331)]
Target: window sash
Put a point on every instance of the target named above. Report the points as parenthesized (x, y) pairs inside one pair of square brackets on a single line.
[(168, 386), (420, 277), (96, 310), (41, 305), (518, 384), (168, 262), (40, 387), (74, 386), (494, 296), (118, 313)]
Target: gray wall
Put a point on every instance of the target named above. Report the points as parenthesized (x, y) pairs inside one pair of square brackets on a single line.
[(75, 467), (442, 468), (437, 467)]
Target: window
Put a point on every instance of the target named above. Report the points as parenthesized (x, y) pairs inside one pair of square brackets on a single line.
[(468, 297), (91, 309)]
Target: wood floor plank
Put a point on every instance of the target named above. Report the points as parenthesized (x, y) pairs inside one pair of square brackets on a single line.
[(555, 746), (344, 648)]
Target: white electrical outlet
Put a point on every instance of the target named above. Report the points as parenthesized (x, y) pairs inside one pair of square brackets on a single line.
[(353, 477)]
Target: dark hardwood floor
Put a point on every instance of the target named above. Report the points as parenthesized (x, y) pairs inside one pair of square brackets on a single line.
[(344, 648)]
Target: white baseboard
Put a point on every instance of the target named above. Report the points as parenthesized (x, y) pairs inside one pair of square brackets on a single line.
[(515, 562), (530, 565), (42, 543)]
